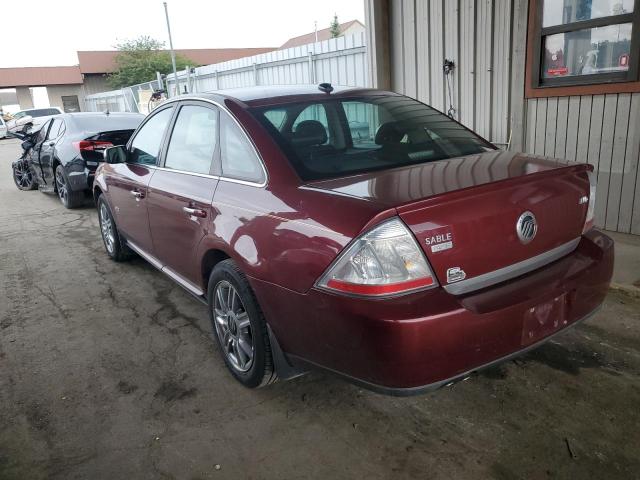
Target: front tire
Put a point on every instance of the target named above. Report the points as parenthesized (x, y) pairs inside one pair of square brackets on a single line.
[(22, 176), (68, 197), (240, 327), (113, 242)]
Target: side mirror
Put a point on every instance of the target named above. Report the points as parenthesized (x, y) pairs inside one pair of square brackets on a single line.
[(115, 154), (26, 145)]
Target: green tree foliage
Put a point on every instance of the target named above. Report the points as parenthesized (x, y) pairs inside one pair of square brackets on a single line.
[(138, 61), (334, 27)]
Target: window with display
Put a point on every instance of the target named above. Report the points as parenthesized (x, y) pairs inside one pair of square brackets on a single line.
[(580, 42)]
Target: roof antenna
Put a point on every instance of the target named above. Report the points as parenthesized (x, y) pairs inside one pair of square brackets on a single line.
[(325, 87)]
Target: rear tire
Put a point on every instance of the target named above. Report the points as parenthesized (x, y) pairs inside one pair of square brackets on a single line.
[(68, 197), (239, 326), (22, 176), (113, 243)]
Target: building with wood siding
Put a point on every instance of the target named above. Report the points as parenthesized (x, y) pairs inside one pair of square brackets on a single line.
[(550, 77)]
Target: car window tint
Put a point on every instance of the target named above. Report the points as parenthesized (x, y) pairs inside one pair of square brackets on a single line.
[(193, 140), (316, 114), (276, 117), (54, 132), (43, 132), (146, 144), (43, 112), (370, 133), (239, 159)]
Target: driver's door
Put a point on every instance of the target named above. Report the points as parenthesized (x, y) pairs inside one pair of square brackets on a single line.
[(47, 150), (34, 156), (128, 182)]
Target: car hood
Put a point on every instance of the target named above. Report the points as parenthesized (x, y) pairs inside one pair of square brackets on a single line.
[(400, 186)]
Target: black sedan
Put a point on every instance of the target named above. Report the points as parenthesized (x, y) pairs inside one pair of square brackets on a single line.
[(62, 157)]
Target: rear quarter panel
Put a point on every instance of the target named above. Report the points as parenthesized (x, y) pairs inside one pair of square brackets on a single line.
[(283, 235)]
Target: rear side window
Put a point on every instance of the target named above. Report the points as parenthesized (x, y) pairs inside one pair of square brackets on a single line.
[(57, 127), (146, 144), (239, 159), (193, 140)]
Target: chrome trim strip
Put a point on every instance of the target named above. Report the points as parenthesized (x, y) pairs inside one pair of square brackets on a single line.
[(149, 258), (184, 172), (166, 270), (206, 175), (515, 270), (183, 282), (226, 110)]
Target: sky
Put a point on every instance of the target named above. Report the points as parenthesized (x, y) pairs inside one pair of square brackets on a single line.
[(57, 29)]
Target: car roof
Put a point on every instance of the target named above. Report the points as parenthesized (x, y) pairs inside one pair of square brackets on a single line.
[(101, 114), (39, 108), (281, 94)]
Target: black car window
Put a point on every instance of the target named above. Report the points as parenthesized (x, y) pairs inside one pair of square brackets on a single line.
[(340, 137), (146, 144), (193, 140), (239, 159), (54, 131), (42, 133)]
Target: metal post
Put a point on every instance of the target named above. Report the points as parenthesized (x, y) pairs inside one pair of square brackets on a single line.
[(173, 54), (312, 69), (256, 81)]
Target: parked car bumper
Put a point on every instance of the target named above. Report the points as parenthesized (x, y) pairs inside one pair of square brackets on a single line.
[(418, 342)]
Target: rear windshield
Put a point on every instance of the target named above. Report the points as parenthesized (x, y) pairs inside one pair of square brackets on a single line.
[(334, 138), (42, 112)]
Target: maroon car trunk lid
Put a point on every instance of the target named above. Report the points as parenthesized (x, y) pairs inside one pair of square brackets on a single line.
[(464, 211), (494, 228)]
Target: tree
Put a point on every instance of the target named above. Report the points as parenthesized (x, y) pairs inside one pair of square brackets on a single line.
[(138, 61), (334, 27)]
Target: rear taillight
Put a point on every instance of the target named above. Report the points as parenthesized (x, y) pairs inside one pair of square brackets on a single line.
[(591, 208), (384, 261), (92, 145)]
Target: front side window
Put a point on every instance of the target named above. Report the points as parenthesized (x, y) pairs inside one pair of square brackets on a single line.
[(239, 159), (193, 140), (42, 133), (56, 126), (146, 144), (368, 134), (586, 41)]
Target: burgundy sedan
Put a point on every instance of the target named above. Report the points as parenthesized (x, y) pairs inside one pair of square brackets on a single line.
[(354, 230)]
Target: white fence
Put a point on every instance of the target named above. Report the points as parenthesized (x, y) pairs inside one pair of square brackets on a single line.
[(340, 61), (129, 99)]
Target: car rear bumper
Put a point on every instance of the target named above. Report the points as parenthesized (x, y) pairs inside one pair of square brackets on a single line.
[(82, 180), (419, 342)]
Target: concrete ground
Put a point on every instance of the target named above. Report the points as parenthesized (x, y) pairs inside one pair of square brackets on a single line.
[(108, 371)]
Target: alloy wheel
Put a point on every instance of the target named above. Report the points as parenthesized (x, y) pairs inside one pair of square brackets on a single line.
[(233, 326), (106, 227), (23, 176), (61, 185)]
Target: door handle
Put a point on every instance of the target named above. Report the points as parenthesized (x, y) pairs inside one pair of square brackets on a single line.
[(196, 212), (138, 194)]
